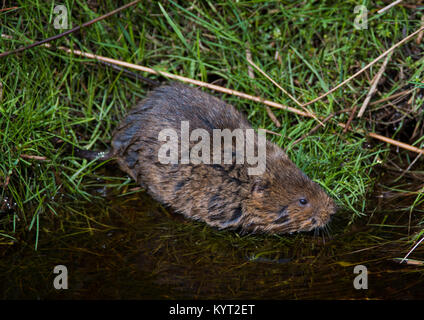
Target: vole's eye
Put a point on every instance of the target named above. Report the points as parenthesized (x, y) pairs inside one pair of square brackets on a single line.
[(303, 201)]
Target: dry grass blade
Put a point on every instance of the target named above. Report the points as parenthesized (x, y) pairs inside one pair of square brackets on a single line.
[(389, 6), (409, 167), (27, 156), (313, 130), (388, 140), (273, 117), (373, 86), (420, 35), (272, 132), (251, 75), (274, 82), (282, 89), (8, 9), (393, 96), (367, 66), (410, 251), (369, 95)]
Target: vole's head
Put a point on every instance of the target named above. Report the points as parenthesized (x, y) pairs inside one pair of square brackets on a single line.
[(285, 200)]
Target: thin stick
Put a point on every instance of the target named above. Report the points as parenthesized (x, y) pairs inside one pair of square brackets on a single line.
[(185, 79), (410, 251), (393, 96), (389, 6), (313, 130), (409, 167), (273, 117), (374, 86), (396, 143), (420, 36), (274, 82), (272, 132), (389, 140), (251, 75), (7, 9), (367, 66), (352, 114), (28, 156), (250, 72), (134, 75), (60, 35), (282, 89)]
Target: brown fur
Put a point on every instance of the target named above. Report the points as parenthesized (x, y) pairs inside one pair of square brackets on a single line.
[(223, 196)]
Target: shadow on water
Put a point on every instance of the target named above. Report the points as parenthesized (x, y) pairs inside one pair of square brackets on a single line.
[(129, 247)]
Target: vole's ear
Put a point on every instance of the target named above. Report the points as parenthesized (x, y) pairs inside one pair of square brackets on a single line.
[(259, 185)]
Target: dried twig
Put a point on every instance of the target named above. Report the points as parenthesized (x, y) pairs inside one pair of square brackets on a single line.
[(27, 156), (273, 117), (369, 95), (410, 251), (131, 74), (272, 132), (389, 6), (374, 86), (60, 35), (366, 67), (7, 9), (282, 89), (420, 35), (393, 96), (409, 167), (314, 129), (250, 72), (251, 75), (388, 140)]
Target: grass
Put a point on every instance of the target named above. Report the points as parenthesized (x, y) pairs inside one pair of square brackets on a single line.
[(51, 100)]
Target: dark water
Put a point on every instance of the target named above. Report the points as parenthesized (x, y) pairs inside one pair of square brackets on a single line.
[(129, 247)]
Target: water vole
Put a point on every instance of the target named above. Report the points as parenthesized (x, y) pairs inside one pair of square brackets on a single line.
[(280, 200)]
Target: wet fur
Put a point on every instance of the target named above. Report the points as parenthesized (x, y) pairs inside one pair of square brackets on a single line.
[(223, 196)]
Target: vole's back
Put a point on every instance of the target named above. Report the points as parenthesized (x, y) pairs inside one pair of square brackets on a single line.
[(194, 190), (167, 106)]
